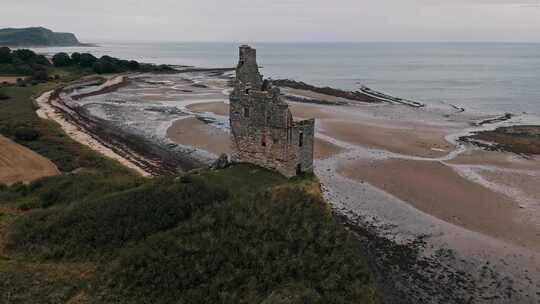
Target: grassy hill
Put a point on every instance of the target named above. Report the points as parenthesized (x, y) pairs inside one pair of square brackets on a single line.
[(99, 233), (36, 36)]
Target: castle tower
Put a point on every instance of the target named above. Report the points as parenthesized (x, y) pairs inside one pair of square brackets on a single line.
[(262, 127)]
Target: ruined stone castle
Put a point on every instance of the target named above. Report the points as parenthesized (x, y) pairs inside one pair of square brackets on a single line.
[(262, 126)]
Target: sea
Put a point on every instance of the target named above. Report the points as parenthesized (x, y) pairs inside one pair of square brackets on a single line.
[(480, 77)]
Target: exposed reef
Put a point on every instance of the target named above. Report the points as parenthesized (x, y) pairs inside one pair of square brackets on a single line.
[(516, 139)]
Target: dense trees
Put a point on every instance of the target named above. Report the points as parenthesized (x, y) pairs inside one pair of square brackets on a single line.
[(61, 60), (25, 62), (5, 55)]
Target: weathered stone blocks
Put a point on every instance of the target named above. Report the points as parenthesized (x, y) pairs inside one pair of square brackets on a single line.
[(262, 127)]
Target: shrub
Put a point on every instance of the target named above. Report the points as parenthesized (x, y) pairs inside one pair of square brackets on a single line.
[(76, 58), (245, 252), (3, 96), (19, 188), (26, 134), (87, 60), (5, 55), (42, 60), (49, 198), (40, 76), (90, 227), (61, 60), (25, 55)]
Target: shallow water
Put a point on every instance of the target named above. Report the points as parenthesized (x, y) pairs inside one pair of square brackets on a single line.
[(482, 77)]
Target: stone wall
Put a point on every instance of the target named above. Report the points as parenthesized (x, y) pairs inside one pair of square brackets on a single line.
[(263, 130)]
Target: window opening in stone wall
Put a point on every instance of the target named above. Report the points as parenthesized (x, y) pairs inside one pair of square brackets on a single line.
[(301, 140), (263, 140), (247, 91), (246, 112)]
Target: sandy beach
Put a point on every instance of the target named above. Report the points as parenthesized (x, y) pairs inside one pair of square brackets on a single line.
[(437, 189), (47, 111)]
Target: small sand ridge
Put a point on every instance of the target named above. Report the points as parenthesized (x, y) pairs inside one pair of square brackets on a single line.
[(19, 164)]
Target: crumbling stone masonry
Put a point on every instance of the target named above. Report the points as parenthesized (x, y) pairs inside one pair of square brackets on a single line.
[(263, 130)]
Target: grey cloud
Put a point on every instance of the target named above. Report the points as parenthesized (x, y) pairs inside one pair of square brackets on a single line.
[(282, 20)]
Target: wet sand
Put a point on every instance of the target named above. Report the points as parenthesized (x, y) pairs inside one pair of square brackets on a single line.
[(19, 164), (324, 149), (437, 189), (413, 142), (313, 95), (197, 134), (297, 109), (498, 159), (218, 108)]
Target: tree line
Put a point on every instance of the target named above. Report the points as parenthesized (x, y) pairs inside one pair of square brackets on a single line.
[(25, 62)]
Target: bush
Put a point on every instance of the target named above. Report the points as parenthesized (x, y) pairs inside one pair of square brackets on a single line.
[(42, 60), (26, 134), (245, 252), (40, 76), (5, 55), (61, 60), (76, 58), (90, 227), (25, 55), (3, 96), (87, 60)]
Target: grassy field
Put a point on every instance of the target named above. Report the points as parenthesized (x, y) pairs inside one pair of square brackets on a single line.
[(102, 234)]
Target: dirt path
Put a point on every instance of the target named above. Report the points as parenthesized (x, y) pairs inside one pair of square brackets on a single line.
[(19, 164)]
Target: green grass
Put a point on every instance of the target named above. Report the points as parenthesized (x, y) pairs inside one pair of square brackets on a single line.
[(244, 179), (105, 235), (18, 112), (183, 240)]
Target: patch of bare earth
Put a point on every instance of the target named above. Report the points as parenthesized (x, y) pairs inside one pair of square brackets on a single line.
[(19, 164), (10, 79), (438, 190)]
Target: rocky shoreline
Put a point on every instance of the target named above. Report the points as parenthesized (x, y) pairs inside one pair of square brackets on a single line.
[(522, 139), (364, 95), (410, 271), (149, 158)]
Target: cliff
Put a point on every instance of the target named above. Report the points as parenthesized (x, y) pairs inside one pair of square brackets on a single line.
[(36, 36)]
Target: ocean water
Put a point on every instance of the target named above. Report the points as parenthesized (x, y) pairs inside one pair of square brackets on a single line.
[(481, 77)]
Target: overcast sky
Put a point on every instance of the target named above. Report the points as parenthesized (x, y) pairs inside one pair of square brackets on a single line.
[(281, 20)]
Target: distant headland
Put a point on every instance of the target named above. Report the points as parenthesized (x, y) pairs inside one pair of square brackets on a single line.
[(36, 36)]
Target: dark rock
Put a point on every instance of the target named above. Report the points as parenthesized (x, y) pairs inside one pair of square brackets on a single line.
[(222, 162)]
